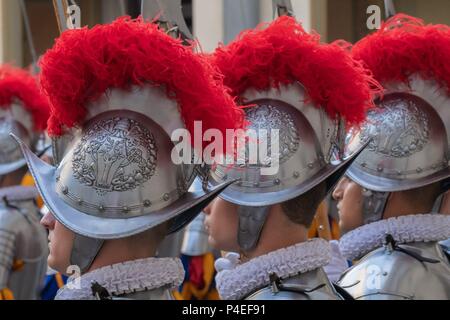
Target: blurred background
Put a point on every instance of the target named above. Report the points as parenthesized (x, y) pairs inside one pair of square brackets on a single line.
[(212, 21)]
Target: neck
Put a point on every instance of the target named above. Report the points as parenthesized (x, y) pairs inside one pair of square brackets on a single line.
[(140, 246), (278, 232), (398, 205)]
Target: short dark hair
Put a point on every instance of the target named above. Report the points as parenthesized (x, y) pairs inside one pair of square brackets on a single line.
[(302, 209)]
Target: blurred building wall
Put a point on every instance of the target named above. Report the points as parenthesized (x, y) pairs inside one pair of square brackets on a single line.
[(11, 36), (347, 18), (221, 20)]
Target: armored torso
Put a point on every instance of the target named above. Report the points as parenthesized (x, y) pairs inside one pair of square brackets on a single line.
[(312, 285), (292, 273), (410, 265), (23, 243)]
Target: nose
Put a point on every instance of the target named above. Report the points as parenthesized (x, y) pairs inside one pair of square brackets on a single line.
[(339, 190), (48, 221), (207, 210)]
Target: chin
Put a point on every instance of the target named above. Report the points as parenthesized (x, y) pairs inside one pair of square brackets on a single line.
[(212, 243), (54, 264), (51, 262)]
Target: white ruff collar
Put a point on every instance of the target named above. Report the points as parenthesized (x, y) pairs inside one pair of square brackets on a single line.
[(242, 279), (404, 229), (127, 277)]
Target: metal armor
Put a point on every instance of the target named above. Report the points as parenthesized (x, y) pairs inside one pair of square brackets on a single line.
[(446, 247), (96, 187), (312, 149), (195, 239), (408, 139), (312, 285), (22, 240), (18, 121), (115, 175), (386, 274), (163, 293)]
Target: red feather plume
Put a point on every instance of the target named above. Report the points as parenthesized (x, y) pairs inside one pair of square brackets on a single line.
[(282, 53), (405, 46), (84, 63), (19, 84)]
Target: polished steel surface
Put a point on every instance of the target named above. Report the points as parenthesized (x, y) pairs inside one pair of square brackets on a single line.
[(308, 280), (408, 140), (22, 238), (392, 275), (312, 148)]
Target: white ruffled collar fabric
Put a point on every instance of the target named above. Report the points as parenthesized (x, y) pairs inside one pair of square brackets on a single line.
[(235, 281), (127, 277), (404, 229)]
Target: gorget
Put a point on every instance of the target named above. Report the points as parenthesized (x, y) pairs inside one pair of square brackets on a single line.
[(404, 229), (131, 279), (235, 280)]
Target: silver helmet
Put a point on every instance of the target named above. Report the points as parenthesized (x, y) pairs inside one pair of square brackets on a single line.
[(14, 120), (25, 115), (311, 148), (409, 133), (408, 138), (115, 175), (117, 178), (296, 140)]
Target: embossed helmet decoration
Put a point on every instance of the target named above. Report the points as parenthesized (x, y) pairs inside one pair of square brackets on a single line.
[(24, 111), (409, 130), (312, 93), (118, 91)]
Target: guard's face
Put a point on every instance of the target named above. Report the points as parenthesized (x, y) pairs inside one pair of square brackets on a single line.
[(221, 222), (60, 243), (349, 196)]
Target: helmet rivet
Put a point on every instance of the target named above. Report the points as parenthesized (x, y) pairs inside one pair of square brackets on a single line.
[(380, 169), (277, 181), (310, 165), (166, 197), (296, 174), (80, 202), (419, 170), (363, 164), (101, 208), (147, 203), (433, 167), (385, 273), (399, 173), (125, 209), (65, 190), (256, 184)]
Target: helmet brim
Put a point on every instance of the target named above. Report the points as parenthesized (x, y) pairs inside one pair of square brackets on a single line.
[(91, 226)]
